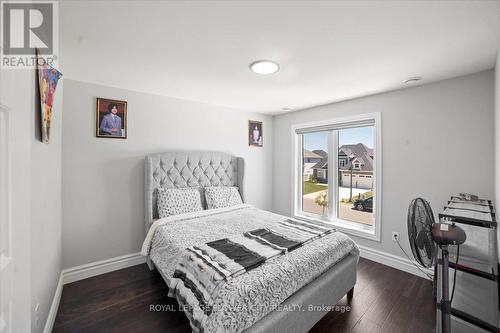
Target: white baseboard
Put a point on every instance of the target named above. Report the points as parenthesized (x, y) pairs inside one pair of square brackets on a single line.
[(403, 264), (85, 271), (51, 318), (100, 267)]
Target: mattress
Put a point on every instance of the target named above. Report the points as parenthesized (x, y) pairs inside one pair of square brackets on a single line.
[(243, 300)]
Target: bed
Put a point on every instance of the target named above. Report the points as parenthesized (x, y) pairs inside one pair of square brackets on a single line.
[(289, 293)]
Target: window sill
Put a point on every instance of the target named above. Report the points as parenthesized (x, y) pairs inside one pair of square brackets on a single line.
[(350, 228)]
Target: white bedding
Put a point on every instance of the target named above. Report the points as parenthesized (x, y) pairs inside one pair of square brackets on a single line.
[(242, 301), (146, 245)]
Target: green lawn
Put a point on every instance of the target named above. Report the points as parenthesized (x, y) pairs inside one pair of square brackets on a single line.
[(366, 195), (309, 187), (363, 196)]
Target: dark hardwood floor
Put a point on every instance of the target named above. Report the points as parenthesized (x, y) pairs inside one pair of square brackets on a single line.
[(385, 300)]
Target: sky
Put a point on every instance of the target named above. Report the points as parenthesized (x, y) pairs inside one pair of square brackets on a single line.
[(319, 140)]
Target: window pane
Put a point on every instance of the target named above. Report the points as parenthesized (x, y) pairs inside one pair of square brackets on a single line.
[(355, 175), (315, 173)]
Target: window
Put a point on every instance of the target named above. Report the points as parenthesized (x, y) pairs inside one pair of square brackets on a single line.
[(346, 195), (314, 194)]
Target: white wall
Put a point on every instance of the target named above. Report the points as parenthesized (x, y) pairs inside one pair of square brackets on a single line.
[(437, 140), (46, 214), (497, 140), (36, 199), (103, 209)]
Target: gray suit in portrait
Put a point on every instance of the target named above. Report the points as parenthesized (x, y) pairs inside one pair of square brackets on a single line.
[(109, 122)]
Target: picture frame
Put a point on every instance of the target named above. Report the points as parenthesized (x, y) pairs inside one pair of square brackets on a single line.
[(111, 118), (255, 133)]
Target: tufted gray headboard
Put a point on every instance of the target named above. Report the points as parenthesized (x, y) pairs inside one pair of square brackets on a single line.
[(189, 169)]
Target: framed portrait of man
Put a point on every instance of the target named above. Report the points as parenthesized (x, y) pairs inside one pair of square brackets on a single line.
[(255, 134), (111, 118)]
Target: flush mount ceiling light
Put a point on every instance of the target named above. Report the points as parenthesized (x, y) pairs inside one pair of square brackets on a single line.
[(286, 109), (264, 67), (413, 79)]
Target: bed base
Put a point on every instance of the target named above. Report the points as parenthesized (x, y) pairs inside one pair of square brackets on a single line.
[(150, 264), (329, 288), (350, 294)]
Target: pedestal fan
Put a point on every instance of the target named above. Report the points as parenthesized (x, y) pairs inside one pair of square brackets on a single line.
[(424, 234)]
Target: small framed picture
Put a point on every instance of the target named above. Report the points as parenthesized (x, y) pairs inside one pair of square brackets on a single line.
[(255, 133), (111, 119)]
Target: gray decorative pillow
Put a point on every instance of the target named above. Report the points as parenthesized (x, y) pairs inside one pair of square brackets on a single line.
[(175, 201), (222, 196)]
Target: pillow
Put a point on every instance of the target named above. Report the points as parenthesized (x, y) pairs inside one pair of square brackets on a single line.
[(222, 196), (174, 201)]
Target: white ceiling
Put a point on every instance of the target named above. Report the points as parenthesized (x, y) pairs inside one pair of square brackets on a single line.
[(327, 51)]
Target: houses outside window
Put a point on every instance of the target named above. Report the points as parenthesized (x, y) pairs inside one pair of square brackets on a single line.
[(346, 195)]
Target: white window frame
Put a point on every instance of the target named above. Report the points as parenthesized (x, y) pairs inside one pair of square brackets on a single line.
[(369, 119)]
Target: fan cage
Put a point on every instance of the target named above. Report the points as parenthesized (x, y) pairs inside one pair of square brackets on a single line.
[(420, 221)]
